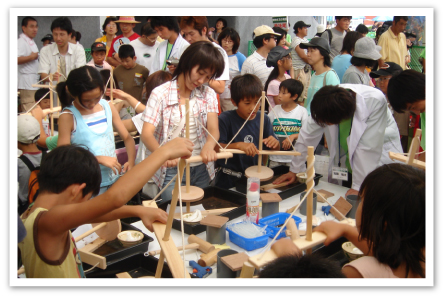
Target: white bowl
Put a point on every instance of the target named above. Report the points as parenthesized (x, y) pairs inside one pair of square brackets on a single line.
[(130, 237), (302, 177), (351, 251)]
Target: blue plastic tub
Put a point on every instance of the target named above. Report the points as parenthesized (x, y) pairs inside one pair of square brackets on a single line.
[(248, 244), (275, 220)]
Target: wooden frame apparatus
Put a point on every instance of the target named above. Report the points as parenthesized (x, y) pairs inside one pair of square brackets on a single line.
[(410, 158)]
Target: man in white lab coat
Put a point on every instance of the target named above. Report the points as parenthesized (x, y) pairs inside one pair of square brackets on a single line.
[(354, 119)]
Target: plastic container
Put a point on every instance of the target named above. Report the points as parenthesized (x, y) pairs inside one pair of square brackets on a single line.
[(253, 199), (248, 244), (275, 220)]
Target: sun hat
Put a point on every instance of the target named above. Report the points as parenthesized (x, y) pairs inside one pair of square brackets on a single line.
[(275, 55), (320, 29), (127, 19), (365, 48), (28, 129), (316, 42), (264, 29), (393, 67)]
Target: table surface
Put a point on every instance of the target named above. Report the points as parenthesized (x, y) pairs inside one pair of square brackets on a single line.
[(176, 236)]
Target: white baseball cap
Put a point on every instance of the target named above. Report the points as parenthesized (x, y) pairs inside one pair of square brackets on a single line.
[(28, 129)]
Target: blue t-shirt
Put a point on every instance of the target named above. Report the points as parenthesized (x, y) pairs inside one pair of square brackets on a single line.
[(317, 82), (229, 124), (340, 64)]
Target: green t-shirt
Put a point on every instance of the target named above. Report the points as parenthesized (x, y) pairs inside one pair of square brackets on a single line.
[(422, 55), (167, 55), (51, 142), (423, 130), (344, 132)]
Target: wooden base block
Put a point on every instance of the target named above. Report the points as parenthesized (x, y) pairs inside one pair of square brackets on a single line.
[(343, 206), (326, 195), (195, 194), (235, 261), (265, 174)]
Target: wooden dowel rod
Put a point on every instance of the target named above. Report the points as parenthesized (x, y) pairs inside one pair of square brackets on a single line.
[(160, 264), (173, 204), (309, 199), (51, 106), (40, 86), (414, 147), (187, 135), (416, 163), (111, 84), (187, 247), (91, 231), (261, 132), (224, 155), (204, 246), (265, 152)]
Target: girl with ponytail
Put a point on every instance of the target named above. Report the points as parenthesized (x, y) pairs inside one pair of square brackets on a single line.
[(88, 120)]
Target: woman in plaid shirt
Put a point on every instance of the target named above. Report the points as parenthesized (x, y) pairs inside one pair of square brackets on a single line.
[(164, 116)]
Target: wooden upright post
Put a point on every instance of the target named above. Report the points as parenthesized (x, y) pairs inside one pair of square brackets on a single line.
[(51, 103), (58, 70), (309, 201), (187, 135), (111, 84), (414, 147), (261, 132)]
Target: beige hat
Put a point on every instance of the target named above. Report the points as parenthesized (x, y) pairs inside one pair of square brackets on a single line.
[(127, 19), (264, 29), (320, 29), (28, 129)]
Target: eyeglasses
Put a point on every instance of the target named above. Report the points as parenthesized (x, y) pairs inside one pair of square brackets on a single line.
[(111, 26), (228, 41)]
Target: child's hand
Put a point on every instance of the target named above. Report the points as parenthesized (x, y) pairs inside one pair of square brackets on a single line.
[(285, 247), (150, 215), (271, 142), (208, 155), (249, 148), (333, 230), (127, 166), (290, 177), (286, 144), (119, 94), (178, 148), (110, 162), (56, 76)]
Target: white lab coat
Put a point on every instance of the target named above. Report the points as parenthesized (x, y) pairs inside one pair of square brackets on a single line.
[(176, 52), (365, 143)]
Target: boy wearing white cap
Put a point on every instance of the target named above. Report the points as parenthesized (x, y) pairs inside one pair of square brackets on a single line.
[(264, 40), (28, 132)]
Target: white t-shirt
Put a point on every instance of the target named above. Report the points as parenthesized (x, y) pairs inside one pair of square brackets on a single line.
[(291, 121), (144, 53), (226, 74), (27, 72), (176, 116)]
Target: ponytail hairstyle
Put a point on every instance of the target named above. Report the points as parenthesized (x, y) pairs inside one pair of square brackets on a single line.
[(79, 81)]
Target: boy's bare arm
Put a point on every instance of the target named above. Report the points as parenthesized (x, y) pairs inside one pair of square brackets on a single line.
[(66, 125), (63, 217), (217, 85), (147, 214)]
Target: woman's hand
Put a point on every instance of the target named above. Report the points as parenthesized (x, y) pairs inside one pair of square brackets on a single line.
[(110, 162)]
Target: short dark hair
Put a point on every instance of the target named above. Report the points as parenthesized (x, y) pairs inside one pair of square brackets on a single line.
[(406, 87), (230, 32), (126, 50), (170, 22), (349, 41), (107, 21), (156, 79), (293, 86), (340, 17), (224, 22), (398, 18), (63, 23), (40, 93), (258, 41), (281, 31), (331, 105), (247, 86), (79, 81), (203, 54), (361, 28), (26, 20), (393, 215), (326, 55), (307, 266), (355, 61), (196, 22), (147, 30), (67, 165)]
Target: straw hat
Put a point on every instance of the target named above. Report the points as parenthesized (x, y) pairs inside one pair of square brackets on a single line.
[(127, 19)]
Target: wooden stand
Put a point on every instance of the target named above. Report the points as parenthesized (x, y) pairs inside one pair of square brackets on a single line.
[(410, 158)]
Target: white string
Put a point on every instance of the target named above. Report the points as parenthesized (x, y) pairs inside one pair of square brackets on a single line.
[(85, 271)]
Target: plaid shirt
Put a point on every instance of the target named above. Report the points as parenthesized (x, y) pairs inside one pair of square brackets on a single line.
[(163, 100)]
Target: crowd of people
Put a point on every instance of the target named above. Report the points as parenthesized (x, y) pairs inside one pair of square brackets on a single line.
[(339, 91)]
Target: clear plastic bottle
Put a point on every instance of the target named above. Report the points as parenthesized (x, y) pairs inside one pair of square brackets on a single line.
[(253, 199)]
